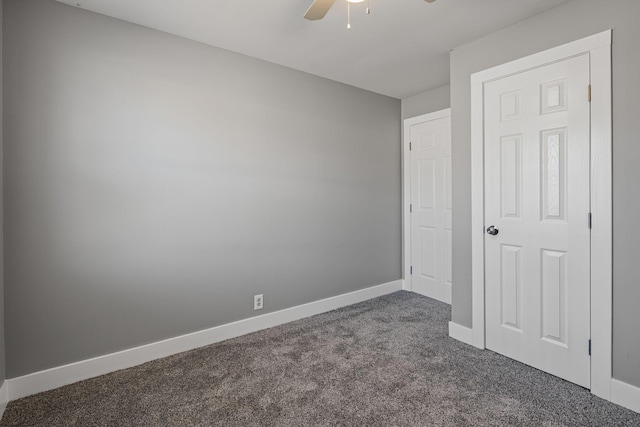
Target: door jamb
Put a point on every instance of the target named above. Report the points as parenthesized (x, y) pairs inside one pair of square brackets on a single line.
[(406, 191), (598, 47)]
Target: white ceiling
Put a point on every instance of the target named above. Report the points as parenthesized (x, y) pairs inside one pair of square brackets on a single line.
[(401, 49)]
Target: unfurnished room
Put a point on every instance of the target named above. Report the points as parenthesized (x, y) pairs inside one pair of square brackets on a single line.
[(319, 213)]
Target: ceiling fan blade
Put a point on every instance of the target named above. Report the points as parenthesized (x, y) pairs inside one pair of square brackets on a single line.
[(318, 9)]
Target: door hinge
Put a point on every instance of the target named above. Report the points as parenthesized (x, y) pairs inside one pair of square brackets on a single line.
[(411, 270), (589, 220), (589, 347), (409, 146), (589, 93)]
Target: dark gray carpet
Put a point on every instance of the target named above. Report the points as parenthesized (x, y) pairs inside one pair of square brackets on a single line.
[(384, 362)]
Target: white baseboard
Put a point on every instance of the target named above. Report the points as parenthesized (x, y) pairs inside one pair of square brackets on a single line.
[(626, 395), (461, 333), (62, 375), (4, 397)]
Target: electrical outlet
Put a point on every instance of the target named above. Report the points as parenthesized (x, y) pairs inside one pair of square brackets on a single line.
[(258, 302)]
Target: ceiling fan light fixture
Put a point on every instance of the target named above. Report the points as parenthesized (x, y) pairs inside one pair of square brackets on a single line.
[(349, 11), (319, 9)]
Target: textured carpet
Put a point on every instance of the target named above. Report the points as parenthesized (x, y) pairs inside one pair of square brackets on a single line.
[(384, 362)]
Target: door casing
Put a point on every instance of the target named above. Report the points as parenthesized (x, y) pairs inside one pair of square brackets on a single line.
[(598, 47)]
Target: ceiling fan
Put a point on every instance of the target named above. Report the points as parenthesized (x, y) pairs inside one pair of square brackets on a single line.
[(319, 8)]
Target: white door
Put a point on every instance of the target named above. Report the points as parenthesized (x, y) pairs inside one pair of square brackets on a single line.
[(537, 188), (431, 250)]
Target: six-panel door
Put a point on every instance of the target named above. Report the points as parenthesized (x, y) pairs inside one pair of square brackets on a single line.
[(537, 267), (431, 251)]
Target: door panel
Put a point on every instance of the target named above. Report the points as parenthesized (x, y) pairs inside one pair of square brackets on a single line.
[(431, 252), (511, 286), (537, 195), (510, 177), (554, 287)]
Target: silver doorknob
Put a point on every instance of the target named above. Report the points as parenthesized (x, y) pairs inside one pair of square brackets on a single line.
[(492, 230)]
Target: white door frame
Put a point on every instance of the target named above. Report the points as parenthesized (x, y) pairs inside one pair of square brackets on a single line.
[(599, 49), (406, 190)]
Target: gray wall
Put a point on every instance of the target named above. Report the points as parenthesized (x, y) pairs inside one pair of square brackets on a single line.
[(2, 374), (426, 102), (571, 21), (153, 185)]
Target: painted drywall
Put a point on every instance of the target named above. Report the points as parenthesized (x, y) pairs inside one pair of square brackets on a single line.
[(153, 185), (2, 358), (426, 102), (568, 22)]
